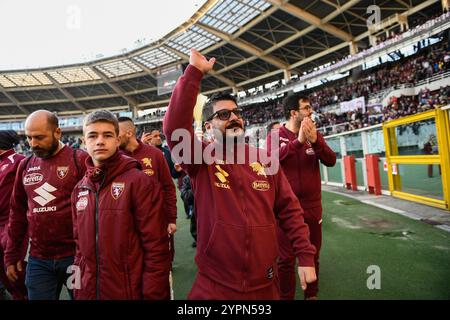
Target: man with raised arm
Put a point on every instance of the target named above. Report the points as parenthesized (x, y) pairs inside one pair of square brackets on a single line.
[(237, 205)]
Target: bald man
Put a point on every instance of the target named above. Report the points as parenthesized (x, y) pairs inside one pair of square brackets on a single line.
[(41, 208)]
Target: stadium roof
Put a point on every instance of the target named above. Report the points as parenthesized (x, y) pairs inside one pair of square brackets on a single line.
[(254, 42)]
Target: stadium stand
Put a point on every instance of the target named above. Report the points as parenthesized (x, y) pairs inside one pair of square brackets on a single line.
[(266, 49)]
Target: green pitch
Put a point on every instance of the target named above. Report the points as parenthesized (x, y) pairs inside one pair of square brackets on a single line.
[(413, 257)]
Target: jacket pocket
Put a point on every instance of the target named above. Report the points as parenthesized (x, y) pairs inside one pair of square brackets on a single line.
[(225, 251), (263, 255)]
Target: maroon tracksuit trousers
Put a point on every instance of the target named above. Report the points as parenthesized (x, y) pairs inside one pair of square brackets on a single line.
[(287, 272), (207, 289), (17, 289)]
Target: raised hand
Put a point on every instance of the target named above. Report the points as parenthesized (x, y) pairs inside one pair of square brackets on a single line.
[(301, 134), (200, 62), (309, 129), (146, 137)]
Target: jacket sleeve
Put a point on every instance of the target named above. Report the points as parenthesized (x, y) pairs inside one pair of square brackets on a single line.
[(174, 173), (152, 228), (168, 189), (288, 149), (81, 157), (180, 115), (186, 191), (324, 152), (290, 218), (6, 189), (75, 225), (18, 222)]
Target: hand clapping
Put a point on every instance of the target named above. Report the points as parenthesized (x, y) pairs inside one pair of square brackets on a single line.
[(308, 129)]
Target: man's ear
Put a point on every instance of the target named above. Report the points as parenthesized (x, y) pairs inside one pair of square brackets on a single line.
[(292, 113), (207, 125), (58, 133)]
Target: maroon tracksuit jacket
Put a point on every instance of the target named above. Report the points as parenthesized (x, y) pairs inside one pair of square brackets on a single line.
[(155, 166), (237, 207), (40, 203), (120, 233), (9, 162), (300, 163)]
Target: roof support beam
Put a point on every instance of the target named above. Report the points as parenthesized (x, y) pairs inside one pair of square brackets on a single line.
[(390, 20), (131, 101), (244, 29), (245, 46), (144, 67), (311, 19), (299, 34), (403, 3), (88, 98), (339, 46), (14, 101), (214, 73), (67, 94)]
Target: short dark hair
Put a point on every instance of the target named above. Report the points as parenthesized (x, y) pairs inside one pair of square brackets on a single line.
[(124, 119), (270, 126), (290, 102), (130, 124), (208, 108), (101, 116)]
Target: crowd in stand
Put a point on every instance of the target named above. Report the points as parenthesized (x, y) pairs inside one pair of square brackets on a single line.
[(153, 115), (72, 141), (426, 63), (141, 129)]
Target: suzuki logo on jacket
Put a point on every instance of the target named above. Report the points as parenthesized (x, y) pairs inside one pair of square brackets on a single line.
[(44, 193)]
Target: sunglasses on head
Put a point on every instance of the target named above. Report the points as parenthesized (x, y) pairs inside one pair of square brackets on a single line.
[(225, 114)]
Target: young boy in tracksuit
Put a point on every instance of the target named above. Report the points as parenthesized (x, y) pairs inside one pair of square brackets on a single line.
[(119, 227)]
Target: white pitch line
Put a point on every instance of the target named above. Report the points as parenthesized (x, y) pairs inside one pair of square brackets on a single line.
[(385, 207)]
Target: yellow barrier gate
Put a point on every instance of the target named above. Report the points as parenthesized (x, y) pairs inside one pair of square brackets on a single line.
[(407, 179)]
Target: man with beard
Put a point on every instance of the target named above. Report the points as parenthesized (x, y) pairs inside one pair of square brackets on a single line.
[(301, 149), (154, 165), (237, 205), (41, 209), (9, 161)]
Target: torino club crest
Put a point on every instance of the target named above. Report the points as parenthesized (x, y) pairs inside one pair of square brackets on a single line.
[(117, 189), (62, 172)]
